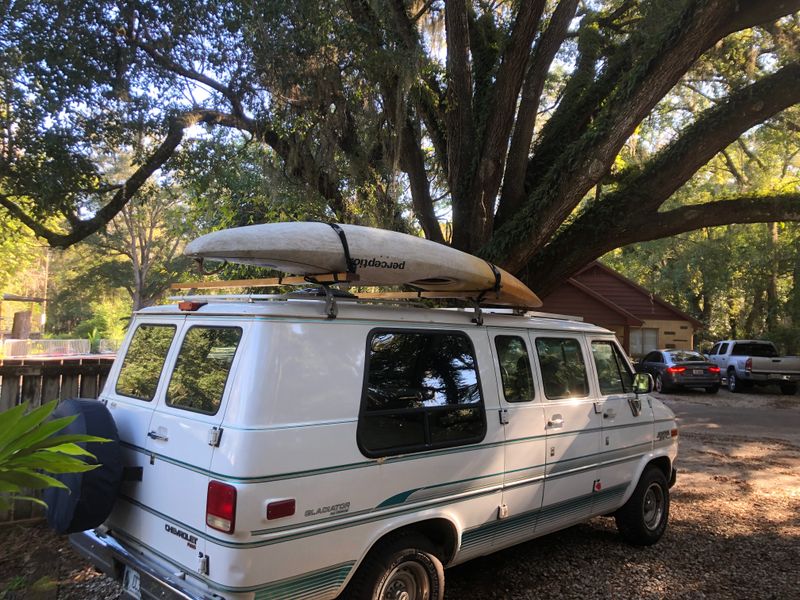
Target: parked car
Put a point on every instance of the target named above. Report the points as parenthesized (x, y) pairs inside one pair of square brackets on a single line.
[(275, 451), (674, 369), (746, 363)]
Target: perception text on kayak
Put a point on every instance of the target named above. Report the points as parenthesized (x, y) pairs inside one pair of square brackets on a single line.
[(377, 262)]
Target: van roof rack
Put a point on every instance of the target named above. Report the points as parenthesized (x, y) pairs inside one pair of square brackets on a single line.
[(475, 298)]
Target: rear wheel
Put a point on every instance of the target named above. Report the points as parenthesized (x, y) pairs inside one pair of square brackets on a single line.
[(659, 384), (402, 567), (642, 520), (733, 382), (788, 389)]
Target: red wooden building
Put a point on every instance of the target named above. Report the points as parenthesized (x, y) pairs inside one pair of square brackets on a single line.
[(641, 320)]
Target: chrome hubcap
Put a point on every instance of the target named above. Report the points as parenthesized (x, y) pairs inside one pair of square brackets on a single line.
[(653, 506), (407, 581)]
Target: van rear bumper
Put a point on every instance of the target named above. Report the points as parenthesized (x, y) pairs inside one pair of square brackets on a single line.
[(105, 553)]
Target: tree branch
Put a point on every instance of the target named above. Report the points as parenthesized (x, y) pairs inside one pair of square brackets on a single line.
[(81, 229), (413, 163), (712, 132), (546, 49), (501, 113), (178, 69), (458, 114), (589, 239), (581, 165)]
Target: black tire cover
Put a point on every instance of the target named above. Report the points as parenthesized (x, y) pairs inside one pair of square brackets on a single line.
[(91, 495)]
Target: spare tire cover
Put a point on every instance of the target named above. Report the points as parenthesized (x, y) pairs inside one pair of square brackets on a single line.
[(91, 495)]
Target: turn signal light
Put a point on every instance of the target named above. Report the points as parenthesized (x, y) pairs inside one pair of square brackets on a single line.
[(280, 508), (221, 506), (713, 369), (676, 369)]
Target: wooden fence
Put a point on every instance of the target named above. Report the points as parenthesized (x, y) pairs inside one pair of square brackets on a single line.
[(39, 380)]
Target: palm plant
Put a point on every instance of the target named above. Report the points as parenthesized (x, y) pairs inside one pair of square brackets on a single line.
[(31, 452)]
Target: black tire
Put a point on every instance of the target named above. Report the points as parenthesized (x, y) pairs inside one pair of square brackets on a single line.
[(659, 386), (90, 496), (642, 520), (713, 389), (734, 385), (788, 389), (407, 562)]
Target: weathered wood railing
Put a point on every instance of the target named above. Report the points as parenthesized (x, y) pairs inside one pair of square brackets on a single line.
[(39, 380)]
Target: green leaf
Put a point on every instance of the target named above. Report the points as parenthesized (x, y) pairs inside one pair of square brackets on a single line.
[(34, 435), (68, 438), (9, 420), (6, 487), (29, 479), (32, 499), (69, 449), (51, 462)]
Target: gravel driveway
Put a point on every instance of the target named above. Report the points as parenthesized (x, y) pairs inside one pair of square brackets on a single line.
[(734, 533)]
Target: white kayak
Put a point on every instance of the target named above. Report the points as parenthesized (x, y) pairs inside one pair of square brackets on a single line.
[(377, 256)]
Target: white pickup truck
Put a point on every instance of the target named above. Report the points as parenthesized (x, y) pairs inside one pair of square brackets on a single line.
[(751, 362)]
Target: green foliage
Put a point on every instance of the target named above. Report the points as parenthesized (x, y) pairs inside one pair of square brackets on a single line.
[(31, 451)]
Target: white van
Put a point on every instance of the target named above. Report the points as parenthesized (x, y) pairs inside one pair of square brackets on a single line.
[(280, 453)]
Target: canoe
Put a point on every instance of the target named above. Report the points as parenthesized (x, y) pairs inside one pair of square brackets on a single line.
[(377, 256)]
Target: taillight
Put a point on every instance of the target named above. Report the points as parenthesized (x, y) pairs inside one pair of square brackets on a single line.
[(676, 369), (748, 365), (713, 369), (221, 506)]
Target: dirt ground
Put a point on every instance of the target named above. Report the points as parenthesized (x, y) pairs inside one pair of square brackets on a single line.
[(734, 533)]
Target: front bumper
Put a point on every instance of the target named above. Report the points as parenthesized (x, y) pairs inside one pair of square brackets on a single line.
[(105, 553)]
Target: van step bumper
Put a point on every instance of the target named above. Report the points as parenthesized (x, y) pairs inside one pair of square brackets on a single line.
[(105, 553)]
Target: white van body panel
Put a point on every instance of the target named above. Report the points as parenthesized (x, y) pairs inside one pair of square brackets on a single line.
[(289, 421)]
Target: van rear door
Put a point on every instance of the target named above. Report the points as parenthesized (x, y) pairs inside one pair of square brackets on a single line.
[(181, 437), (131, 394)]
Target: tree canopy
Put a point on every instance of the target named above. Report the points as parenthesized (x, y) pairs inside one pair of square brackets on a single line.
[(526, 126)]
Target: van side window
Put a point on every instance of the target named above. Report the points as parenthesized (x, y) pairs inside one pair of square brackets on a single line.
[(613, 372), (202, 368), (563, 368), (515, 368), (144, 360), (421, 392)]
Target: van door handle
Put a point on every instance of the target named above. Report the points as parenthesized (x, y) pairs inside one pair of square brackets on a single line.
[(157, 436), (555, 422)]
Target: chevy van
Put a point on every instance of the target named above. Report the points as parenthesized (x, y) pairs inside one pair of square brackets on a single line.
[(274, 452)]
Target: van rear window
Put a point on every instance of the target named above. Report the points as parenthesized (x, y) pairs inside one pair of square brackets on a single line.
[(144, 360), (202, 368), (421, 392)]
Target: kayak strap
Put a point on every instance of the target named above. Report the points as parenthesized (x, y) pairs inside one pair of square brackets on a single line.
[(351, 265)]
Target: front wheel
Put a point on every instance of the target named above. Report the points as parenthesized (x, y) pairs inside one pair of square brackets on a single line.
[(642, 520), (401, 567)]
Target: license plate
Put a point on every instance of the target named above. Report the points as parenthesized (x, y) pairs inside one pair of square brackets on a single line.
[(779, 376), (130, 583), (697, 371)]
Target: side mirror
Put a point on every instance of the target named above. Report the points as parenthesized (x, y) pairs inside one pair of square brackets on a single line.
[(642, 383)]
